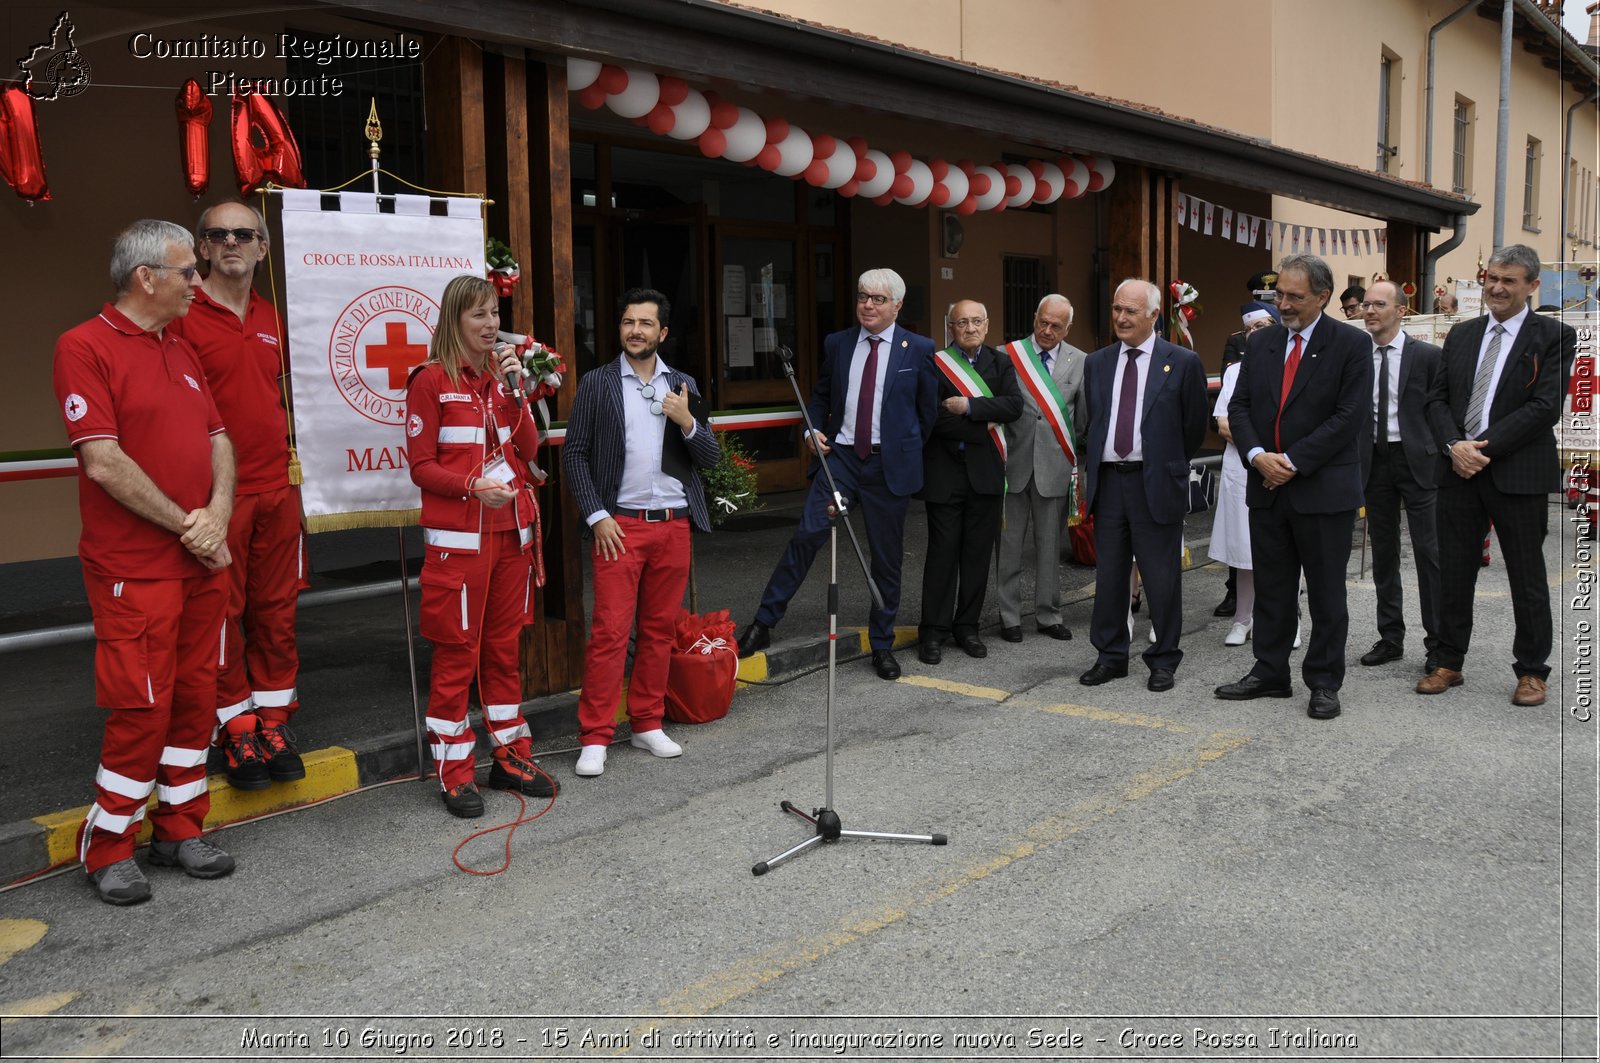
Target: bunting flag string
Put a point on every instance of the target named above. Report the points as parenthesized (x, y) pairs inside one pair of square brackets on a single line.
[(1237, 226)]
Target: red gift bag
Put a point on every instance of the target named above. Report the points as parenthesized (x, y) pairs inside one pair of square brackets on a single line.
[(703, 668)]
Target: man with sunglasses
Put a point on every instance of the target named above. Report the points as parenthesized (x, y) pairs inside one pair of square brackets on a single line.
[(636, 480), (155, 489), (235, 332)]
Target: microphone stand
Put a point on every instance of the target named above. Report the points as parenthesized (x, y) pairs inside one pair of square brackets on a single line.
[(825, 820)]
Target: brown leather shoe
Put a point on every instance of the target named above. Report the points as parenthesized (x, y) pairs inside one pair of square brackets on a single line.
[(1530, 691), (1438, 681)]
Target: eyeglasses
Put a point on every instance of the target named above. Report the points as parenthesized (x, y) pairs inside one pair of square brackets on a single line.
[(970, 322), (1292, 297), (188, 272), (648, 392), (873, 298), (1374, 304), (220, 236)]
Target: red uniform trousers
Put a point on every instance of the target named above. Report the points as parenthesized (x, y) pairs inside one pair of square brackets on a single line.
[(157, 643), (259, 661), (474, 607), (650, 578)]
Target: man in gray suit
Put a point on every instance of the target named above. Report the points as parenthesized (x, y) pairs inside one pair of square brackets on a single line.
[(1042, 446), (1400, 465)]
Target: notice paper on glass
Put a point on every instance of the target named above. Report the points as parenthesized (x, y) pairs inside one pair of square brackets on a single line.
[(733, 291), (741, 341), (766, 340)]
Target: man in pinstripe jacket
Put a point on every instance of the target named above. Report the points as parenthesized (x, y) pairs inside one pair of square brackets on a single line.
[(639, 494)]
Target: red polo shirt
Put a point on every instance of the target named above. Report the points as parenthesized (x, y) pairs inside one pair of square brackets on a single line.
[(242, 364), (145, 390)]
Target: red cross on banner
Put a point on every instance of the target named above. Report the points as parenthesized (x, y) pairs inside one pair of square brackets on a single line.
[(395, 354), (1588, 274)]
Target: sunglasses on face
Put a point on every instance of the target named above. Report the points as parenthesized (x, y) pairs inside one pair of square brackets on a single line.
[(220, 236)]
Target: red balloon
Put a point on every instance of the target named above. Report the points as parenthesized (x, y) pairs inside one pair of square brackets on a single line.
[(884, 200), (823, 145), (673, 90), (857, 145), (816, 173), (1036, 168), (849, 188), (770, 158), (967, 206), (612, 79), (939, 196), (1013, 185), (777, 129), (21, 157), (938, 167), (901, 160), (903, 186), (980, 183), (592, 97), (723, 114), (966, 166), (661, 120), (713, 142), (194, 142), (277, 159), (866, 169)]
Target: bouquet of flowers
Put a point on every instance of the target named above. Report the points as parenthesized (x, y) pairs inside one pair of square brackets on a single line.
[(504, 273), (731, 482), (1185, 308)]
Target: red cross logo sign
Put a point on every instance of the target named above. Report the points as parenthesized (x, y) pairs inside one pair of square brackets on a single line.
[(375, 343), (75, 407)]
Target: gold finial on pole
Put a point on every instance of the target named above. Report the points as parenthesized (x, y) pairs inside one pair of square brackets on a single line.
[(374, 131)]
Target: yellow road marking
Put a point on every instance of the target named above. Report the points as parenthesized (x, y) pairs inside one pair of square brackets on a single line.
[(1099, 715), (45, 1005), (743, 977), (950, 686), (19, 935)]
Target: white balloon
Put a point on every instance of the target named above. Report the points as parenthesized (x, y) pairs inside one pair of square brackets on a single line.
[(882, 180), (956, 181), (691, 117), (841, 165), (794, 153), (746, 137), (1106, 169), (1078, 174), (581, 73), (997, 188), (1025, 175), (639, 98), (1051, 183), (921, 184)]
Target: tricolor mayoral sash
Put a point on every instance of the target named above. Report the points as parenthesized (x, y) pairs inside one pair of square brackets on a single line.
[(1025, 359), (965, 379)]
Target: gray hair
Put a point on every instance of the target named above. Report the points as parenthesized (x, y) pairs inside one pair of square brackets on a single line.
[(204, 223), (885, 281), (144, 243), (1056, 297), (1316, 270), (951, 311), (1518, 255), (1152, 294)]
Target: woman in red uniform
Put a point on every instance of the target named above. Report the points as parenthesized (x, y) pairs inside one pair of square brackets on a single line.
[(470, 446)]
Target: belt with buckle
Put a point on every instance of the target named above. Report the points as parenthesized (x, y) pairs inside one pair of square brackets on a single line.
[(654, 516), (1124, 466)]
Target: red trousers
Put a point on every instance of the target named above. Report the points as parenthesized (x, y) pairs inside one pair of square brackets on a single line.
[(157, 643), (260, 663), (474, 607), (647, 580)]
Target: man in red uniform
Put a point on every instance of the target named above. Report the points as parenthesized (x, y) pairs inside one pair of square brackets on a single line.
[(235, 332), (155, 491)]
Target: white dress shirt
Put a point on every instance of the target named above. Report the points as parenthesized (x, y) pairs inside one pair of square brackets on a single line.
[(644, 485), (846, 435), (1141, 375), (1392, 423), (1288, 348), (1512, 327)]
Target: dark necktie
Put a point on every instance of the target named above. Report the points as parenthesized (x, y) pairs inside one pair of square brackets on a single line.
[(1044, 360), (1382, 438), (865, 394), (1123, 444), (1289, 369)]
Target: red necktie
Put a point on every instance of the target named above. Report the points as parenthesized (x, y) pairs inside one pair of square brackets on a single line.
[(1289, 368), (865, 394)]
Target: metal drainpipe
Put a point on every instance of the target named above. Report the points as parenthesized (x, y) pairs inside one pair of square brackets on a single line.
[(1566, 164), (1503, 128), (1431, 259), (1427, 143)]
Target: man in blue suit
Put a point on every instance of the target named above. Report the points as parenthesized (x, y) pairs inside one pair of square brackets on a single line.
[(1147, 417), (1299, 413), (875, 403)]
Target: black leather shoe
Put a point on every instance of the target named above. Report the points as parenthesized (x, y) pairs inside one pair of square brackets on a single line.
[(1056, 631), (1429, 664), (1227, 606), (757, 636), (1011, 634), (928, 652), (1324, 704), (1253, 686), (1102, 673), (973, 646), (1382, 653), (885, 665), (1160, 679)]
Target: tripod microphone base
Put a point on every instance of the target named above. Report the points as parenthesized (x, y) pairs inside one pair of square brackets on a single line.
[(831, 829)]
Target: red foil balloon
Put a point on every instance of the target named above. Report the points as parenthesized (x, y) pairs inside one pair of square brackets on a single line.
[(21, 158), (277, 159), (194, 141)]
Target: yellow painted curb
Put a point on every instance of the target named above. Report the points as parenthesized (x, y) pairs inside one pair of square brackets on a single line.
[(329, 772)]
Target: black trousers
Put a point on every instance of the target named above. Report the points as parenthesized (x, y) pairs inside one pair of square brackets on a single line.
[(962, 533), (1390, 486), (1123, 531), (1520, 523), (1284, 543)]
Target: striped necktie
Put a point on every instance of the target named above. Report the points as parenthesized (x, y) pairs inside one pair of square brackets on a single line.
[(1480, 383)]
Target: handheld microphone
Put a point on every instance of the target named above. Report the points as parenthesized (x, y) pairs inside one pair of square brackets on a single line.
[(514, 377)]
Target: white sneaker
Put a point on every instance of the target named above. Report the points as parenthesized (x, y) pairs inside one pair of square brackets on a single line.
[(592, 761), (1152, 634), (1297, 636), (1238, 635), (656, 742)]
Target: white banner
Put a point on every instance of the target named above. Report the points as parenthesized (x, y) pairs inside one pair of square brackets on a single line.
[(363, 294)]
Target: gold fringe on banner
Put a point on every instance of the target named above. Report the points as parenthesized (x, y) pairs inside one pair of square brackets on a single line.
[(373, 518)]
